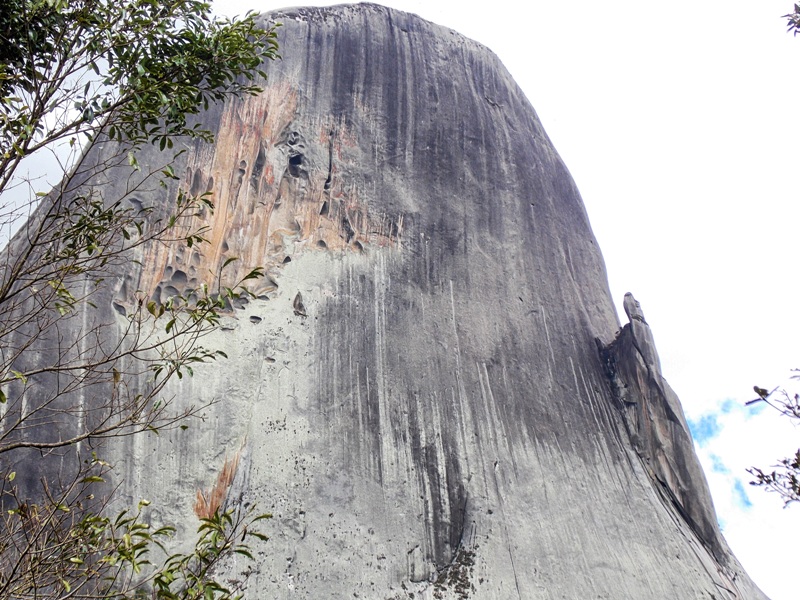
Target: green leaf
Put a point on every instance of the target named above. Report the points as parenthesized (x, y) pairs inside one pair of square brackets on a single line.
[(92, 479)]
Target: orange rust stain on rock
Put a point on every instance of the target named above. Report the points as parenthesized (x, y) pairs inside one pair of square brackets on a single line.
[(275, 192), (211, 501)]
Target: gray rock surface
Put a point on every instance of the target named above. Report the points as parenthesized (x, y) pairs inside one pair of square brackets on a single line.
[(429, 395)]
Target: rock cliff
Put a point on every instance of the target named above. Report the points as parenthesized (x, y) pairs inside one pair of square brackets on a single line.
[(430, 392)]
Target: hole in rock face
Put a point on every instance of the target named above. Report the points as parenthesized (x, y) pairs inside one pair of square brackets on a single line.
[(358, 246), (119, 308), (328, 181), (322, 244), (225, 246), (179, 278), (347, 229), (258, 168), (324, 210), (197, 183), (288, 259), (169, 292), (295, 165), (294, 138), (255, 320), (136, 204), (270, 284), (225, 301), (240, 174)]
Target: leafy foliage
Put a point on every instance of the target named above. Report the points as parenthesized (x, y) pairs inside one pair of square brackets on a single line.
[(135, 69), (90, 83), (66, 548), (793, 20), (784, 478)]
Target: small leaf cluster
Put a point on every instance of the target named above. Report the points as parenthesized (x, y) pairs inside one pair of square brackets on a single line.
[(783, 477), (189, 576), (195, 311), (133, 68), (65, 547), (793, 20)]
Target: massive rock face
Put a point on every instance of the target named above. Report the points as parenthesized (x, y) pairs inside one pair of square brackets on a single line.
[(430, 394)]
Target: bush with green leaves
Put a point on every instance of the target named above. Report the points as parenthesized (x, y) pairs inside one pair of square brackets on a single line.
[(67, 547), (88, 84)]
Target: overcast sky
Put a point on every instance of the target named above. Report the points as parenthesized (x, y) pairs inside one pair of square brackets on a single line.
[(677, 121)]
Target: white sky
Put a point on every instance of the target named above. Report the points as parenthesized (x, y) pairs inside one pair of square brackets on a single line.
[(677, 122)]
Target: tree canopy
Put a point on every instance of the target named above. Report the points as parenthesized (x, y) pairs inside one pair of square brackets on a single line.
[(76, 75)]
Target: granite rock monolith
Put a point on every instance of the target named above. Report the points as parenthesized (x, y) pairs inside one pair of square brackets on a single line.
[(430, 391)]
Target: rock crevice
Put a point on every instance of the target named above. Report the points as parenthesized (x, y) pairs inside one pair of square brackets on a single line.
[(657, 426)]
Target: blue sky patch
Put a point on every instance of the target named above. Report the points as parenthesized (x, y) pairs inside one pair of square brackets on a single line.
[(740, 496), (717, 465), (705, 428)]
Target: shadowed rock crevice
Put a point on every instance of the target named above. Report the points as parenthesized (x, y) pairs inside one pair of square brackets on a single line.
[(658, 428)]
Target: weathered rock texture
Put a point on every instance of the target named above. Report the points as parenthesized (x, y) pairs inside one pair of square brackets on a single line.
[(429, 394)]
